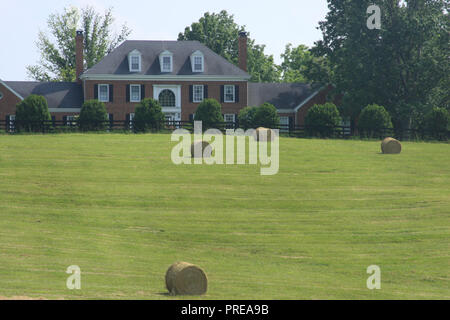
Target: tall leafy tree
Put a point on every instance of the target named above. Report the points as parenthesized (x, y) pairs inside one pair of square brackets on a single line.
[(398, 66), (219, 32), (302, 64), (57, 50)]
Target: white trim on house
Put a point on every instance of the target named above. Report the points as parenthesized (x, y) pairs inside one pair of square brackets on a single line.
[(136, 77), (202, 94), (285, 110), (166, 54), (309, 99), (176, 89), (64, 110), (10, 89), (131, 93), (197, 54), (107, 92), (227, 115), (225, 94), (135, 54)]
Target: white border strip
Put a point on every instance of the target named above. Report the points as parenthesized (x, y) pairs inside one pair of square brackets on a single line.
[(10, 89), (106, 77)]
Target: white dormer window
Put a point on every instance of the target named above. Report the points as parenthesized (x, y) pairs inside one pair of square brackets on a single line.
[(135, 61), (198, 62), (166, 61)]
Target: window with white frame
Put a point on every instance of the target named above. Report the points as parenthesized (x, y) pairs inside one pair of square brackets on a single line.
[(103, 92), (199, 93), (167, 64), (70, 121), (134, 61), (167, 98), (284, 124), (229, 94), (198, 64), (135, 93), (229, 117)]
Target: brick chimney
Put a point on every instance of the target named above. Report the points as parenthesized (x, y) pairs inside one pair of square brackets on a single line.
[(243, 50), (79, 59)]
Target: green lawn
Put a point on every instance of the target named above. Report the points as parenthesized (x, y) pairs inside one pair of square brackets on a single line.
[(116, 206)]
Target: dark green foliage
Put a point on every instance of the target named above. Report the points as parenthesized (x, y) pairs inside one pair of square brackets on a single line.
[(32, 113), (402, 66), (322, 120), (266, 116), (148, 116), (373, 120), (246, 117), (93, 116), (437, 123), (210, 112)]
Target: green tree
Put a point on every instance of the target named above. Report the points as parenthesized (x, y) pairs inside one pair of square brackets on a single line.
[(322, 120), (438, 123), (266, 116), (93, 116), (148, 116), (246, 118), (301, 64), (373, 120), (32, 113), (397, 66), (210, 113), (219, 32), (57, 61)]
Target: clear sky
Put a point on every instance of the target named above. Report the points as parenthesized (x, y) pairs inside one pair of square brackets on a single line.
[(273, 23)]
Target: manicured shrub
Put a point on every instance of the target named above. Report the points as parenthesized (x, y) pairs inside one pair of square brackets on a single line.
[(246, 117), (210, 112), (266, 116), (148, 116), (93, 116), (437, 122), (32, 114), (373, 120), (322, 120)]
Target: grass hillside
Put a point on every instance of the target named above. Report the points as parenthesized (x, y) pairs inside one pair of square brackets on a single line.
[(116, 206)]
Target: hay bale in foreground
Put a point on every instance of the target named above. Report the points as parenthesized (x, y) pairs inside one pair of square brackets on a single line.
[(391, 146), (268, 136), (183, 278), (205, 147)]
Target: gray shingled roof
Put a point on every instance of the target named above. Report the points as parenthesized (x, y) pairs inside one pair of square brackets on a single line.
[(116, 62), (281, 95), (57, 94)]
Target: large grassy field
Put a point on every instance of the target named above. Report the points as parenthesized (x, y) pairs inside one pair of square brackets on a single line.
[(116, 206)]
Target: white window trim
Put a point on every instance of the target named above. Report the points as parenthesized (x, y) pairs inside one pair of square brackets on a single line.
[(131, 55), (229, 114), (193, 93), (225, 94), (107, 92), (176, 89), (131, 92), (166, 54), (197, 54)]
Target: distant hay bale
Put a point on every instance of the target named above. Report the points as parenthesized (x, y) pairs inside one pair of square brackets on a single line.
[(268, 136), (206, 149), (183, 278), (391, 146)]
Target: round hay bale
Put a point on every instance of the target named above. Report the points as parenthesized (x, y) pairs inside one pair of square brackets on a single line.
[(205, 147), (269, 134), (183, 278), (391, 146)]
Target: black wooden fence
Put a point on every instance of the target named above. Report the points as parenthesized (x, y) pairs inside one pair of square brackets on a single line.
[(341, 132)]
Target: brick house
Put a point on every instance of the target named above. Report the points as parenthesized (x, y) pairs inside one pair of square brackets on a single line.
[(179, 74)]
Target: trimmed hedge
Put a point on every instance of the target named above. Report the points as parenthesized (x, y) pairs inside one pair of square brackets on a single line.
[(322, 120), (148, 116), (373, 120), (266, 116), (210, 113), (93, 116), (32, 113)]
